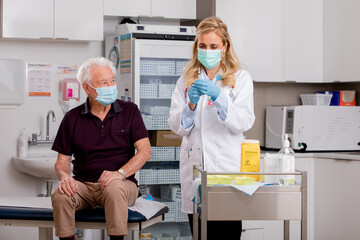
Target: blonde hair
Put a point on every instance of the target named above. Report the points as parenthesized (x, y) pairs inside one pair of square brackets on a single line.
[(229, 64)]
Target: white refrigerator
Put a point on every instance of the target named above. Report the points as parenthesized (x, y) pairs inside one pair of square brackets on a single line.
[(150, 60)]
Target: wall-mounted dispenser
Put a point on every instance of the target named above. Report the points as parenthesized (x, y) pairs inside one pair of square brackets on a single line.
[(69, 93)]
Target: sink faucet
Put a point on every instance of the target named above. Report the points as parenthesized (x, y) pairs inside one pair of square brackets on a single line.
[(51, 112)]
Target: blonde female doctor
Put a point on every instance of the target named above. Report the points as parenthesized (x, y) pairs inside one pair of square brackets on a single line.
[(211, 106)]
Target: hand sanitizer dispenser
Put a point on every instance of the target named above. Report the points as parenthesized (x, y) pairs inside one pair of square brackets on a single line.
[(287, 162), (69, 93), (22, 144)]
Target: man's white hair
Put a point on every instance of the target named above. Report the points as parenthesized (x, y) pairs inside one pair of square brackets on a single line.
[(84, 72)]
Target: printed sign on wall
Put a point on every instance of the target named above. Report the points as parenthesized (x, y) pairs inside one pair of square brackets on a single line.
[(39, 79)]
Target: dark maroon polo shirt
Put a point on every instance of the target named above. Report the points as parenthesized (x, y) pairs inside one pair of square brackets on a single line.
[(98, 146)]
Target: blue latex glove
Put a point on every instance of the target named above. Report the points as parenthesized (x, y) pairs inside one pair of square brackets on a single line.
[(208, 87), (194, 94)]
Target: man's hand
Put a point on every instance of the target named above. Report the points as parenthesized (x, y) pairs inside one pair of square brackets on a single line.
[(68, 186), (107, 176)]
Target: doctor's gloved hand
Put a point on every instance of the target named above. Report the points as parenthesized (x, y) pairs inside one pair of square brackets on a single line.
[(194, 94), (208, 87)]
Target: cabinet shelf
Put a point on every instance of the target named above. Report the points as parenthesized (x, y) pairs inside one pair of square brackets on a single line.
[(162, 160), (166, 98), (159, 176), (159, 183), (160, 75)]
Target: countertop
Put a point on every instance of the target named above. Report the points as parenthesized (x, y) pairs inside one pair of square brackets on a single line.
[(333, 155)]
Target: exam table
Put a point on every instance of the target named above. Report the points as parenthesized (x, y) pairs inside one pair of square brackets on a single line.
[(37, 212), (272, 202)]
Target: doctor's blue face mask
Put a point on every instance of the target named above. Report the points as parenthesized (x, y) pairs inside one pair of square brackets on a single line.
[(209, 58), (106, 95)]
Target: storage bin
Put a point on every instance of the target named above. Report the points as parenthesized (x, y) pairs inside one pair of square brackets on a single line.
[(150, 124), (168, 176), (177, 153), (165, 67), (164, 236), (162, 153), (156, 110), (180, 65), (157, 67), (148, 67), (175, 214), (148, 90), (181, 237), (180, 215), (166, 90), (156, 122), (148, 176), (316, 99), (171, 192), (144, 190)]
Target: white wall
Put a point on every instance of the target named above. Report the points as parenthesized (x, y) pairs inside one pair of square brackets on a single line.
[(32, 115)]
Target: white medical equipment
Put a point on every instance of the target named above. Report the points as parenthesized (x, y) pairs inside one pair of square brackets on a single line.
[(314, 128)]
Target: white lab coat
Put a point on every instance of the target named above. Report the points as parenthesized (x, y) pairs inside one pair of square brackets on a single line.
[(219, 141)]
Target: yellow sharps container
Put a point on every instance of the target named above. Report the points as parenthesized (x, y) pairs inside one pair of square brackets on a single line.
[(250, 157)]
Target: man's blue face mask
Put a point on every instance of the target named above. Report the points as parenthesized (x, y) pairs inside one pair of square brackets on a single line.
[(106, 95), (209, 58)]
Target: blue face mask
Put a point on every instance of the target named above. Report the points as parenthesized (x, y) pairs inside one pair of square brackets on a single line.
[(106, 95), (209, 58)]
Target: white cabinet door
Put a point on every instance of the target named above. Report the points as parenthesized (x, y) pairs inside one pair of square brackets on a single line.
[(179, 9), (253, 234), (27, 19), (329, 204), (303, 40), (350, 40), (256, 30), (79, 20), (307, 165), (351, 200), (133, 8), (333, 198)]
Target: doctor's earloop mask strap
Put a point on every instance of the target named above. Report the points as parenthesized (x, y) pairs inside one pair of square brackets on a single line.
[(209, 58), (105, 95)]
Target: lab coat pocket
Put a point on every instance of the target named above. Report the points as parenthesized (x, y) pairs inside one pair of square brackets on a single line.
[(227, 159)]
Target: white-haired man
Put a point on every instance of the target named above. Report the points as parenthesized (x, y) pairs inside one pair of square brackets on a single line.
[(102, 134)]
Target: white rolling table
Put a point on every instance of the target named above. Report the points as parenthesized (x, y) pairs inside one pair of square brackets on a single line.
[(272, 202)]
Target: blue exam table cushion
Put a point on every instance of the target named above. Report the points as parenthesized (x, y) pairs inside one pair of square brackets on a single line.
[(88, 215)]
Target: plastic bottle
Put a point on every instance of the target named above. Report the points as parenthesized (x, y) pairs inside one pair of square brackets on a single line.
[(22, 144), (287, 163), (272, 164), (127, 94), (250, 157)]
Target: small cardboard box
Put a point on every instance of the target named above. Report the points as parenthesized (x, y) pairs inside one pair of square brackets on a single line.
[(164, 138), (343, 98)]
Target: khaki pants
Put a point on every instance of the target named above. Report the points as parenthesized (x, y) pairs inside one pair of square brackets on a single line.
[(114, 198)]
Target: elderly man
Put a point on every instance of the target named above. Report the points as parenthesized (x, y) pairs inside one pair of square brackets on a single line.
[(102, 135)]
